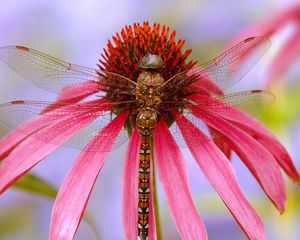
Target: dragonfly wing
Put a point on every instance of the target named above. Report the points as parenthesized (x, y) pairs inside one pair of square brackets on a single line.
[(51, 73), (199, 124), (88, 132), (228, 68), (80, 122), (253, 102)]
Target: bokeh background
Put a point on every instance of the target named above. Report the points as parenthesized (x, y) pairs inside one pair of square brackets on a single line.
[(77, 31)]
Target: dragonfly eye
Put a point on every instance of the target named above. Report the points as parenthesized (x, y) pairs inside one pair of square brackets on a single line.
[(151, 61)]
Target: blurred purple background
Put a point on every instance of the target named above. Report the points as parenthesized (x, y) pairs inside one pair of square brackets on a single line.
[(77, 31)]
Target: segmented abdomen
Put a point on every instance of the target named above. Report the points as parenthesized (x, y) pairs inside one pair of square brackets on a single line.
[(144, 187)]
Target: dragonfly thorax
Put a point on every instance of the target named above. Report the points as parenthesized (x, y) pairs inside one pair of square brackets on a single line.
[(148, 89), (148, 97)]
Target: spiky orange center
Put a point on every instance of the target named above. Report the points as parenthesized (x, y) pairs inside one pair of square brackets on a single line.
[(124, 52)]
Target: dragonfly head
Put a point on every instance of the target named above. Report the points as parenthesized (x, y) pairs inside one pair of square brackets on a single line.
[(151, 61)]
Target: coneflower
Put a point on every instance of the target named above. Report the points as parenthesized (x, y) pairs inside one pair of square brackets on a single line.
[(145, 90)]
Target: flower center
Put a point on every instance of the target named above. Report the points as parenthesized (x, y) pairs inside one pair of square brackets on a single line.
[(147, 57)]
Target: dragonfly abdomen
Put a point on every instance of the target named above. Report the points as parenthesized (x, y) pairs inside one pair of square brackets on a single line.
[(144, 186), (146, 121)]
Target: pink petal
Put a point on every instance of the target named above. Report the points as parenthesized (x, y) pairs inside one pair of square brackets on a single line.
[(220, 174), (257, 130), (9, 142), (76, 93), (79, 91), (16, 136), (77, 186), (258, 160), (285, 57), (205, 84), (172, 173), (220, 141), (32, 150), (269, 27), (130, 187), (274, 147), (70, 94)]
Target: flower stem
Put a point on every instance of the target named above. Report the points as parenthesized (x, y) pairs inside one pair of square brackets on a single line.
[(154, 195)]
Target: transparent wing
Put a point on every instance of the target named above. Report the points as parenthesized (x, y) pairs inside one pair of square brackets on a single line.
[(53, 74), (80, 122), (253, 102), (226, 69)]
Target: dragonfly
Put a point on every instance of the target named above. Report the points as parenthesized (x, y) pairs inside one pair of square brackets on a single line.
[(147, 99)]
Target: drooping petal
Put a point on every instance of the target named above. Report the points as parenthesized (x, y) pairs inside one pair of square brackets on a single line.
[(220, 174), (257, 130), (9, 142), (130, 187), (272, 25), (205, 85), (172, 173), (258, 160), (274, 147), (285, 57), (220, 141), (77, 186), (32, 150), (75, 93), (16, 136), (70, 94)]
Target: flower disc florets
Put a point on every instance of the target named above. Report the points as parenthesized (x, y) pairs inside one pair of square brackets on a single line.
[(123, 56), (124, 52)]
